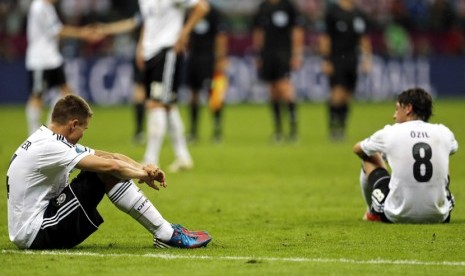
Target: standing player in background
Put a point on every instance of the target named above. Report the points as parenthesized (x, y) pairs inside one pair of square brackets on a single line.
[(345, 36), (44, 62), (278, 39), (207, 62), (163, 40), (418, 155)]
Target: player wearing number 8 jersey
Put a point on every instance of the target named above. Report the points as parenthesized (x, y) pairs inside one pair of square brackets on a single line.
[(417, 191)]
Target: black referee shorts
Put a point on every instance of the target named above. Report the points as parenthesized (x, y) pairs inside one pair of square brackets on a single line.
[(199, 71), (345, 73), (72, 216), (275, 66)]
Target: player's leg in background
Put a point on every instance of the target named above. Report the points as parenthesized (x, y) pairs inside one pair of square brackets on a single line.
[(275, 102), (183, 159), (156, 129), (338, 109), (218, 85), (194, 106), (217, 125), (33, 112), (34, 103), (156, 111), (139, 112), (63, 90), (42, 81), (285, 89)]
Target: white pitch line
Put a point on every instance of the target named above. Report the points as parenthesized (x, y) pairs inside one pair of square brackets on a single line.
[(236, 258)]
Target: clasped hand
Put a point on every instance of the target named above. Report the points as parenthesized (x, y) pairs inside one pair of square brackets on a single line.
[(154, 173)]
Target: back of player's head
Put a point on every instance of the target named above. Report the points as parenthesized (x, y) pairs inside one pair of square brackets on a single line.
[(421, 101), (71, 107)]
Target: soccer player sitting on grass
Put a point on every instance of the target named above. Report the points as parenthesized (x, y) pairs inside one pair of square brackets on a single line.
[(45, 212), (418, 155)]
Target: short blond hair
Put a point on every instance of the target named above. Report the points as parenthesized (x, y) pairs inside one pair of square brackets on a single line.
[(71, 107)]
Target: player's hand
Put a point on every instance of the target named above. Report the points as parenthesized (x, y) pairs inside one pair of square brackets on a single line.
[(92, 33), (182, 42), (156, 174), (366, 65), (140, 63), (327, 67), (296, 62), (150, 182)]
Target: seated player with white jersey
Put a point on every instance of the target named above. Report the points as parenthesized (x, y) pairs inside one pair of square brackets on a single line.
[(417, 190), (47, 212)]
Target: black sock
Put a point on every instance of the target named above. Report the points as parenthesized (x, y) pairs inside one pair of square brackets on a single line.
[(293, 118), (333, 117), (275, 105), (139, 111), (217, 129), (338, 119), (343, 112), (194, 118)]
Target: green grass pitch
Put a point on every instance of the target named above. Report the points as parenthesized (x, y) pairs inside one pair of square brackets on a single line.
[(288, 209)]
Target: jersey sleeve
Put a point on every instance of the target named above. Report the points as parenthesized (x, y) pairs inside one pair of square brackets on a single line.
[(297, 19), (189, 3), (219, 23), (454, 145), (53, 23), (376, 142), (64, 155), (84, 148), (258, 19)]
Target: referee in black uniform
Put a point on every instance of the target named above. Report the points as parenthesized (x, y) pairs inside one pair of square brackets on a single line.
[(278, 42), (344, 39), (207, 55)]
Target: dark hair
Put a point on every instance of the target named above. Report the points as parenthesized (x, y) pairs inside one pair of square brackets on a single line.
[(71, 107), (421, 101)]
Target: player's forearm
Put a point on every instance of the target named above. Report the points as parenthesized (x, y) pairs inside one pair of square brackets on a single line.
[(198, 12), (71, 32), (221, 45), (357, 149), (365, 47), (126, 170), (257, 40), (118, 27), (325, 46), (376, 159), (118, 156), (298, 35)]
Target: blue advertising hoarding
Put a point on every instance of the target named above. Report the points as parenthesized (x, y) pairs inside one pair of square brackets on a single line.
[(108, 80)]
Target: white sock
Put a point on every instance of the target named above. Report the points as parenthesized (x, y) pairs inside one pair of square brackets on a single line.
[(176, 130), (156, 129), (54, 101), (130, 199), (33, 114), (366, 188)]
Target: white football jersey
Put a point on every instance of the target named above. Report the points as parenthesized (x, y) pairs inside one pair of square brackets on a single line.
[(39, 170), (418, 154), (43, 27), (163, 22)]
